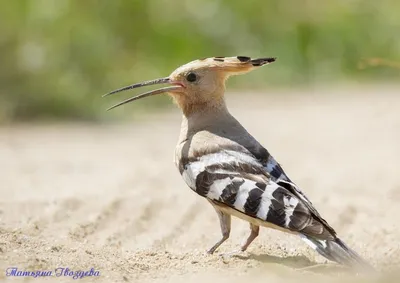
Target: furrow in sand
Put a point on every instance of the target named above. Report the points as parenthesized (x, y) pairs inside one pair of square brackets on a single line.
[(183, 225), (137, 223), (99, 222)]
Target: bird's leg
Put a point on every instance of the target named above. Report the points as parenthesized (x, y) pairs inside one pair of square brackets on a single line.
[(254, 230), (225, 223)]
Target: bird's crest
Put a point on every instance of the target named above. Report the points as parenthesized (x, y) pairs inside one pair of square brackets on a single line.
[(230, 65)]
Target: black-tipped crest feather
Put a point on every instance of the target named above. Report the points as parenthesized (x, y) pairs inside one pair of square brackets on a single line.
[(262, 61)]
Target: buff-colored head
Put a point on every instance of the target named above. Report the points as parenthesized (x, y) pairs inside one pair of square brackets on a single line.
[(200, 83)]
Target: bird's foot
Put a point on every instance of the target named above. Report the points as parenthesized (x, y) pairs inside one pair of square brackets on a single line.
[(210, 251)]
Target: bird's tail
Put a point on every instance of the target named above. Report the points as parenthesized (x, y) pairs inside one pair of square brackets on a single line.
[(336, 250)]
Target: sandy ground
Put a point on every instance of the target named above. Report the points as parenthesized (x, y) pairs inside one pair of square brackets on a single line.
[(109, 197)]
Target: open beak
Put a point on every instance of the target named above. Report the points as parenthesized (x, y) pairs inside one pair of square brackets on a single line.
[(146, 94)]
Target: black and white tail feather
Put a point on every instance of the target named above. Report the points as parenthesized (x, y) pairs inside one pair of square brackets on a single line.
[(261, 192), (336, 250)]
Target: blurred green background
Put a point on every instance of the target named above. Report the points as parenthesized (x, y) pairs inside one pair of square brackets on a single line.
[(57, 56)]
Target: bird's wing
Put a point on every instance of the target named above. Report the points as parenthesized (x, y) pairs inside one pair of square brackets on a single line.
[(274, 169), (240, 182), (279, 176)]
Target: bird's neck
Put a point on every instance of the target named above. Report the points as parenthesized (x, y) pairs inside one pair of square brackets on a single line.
[(203, 116)]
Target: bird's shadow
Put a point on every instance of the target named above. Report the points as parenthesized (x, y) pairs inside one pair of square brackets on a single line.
[(300, 263)]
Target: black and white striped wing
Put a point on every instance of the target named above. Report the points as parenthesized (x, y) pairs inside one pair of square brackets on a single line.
[(279, 176), (276, 172), (239, 181)]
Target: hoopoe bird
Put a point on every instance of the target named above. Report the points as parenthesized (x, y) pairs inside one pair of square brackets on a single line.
[(220, 161)]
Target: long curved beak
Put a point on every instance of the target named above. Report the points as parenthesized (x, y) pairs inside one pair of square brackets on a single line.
[(146, 94)]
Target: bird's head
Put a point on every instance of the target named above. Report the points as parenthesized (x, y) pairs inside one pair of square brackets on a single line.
[(200, 83)]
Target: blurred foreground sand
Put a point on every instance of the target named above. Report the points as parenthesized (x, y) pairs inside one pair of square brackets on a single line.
[(110, 197)]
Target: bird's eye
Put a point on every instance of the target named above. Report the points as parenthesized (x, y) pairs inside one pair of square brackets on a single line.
[(191, 77)]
